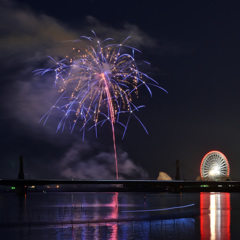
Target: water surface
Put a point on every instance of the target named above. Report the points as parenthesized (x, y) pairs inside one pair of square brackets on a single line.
[(118, 216)]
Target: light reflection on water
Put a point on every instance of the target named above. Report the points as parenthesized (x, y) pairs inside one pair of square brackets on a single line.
[(25, 214), (215, 215)]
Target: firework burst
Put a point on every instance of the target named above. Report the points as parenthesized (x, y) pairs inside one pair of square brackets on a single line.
[(98, 84)]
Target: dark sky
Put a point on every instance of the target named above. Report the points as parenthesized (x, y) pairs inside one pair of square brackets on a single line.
[(194, 51)]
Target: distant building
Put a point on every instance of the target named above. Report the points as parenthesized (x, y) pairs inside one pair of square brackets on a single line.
[(177, 176), (21, 173), (164, 177), (198, 178)]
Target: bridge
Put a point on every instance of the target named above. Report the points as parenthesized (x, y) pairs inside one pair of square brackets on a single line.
[(125, 185)]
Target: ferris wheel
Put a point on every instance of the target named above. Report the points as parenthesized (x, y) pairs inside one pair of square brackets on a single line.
[(214, 167)]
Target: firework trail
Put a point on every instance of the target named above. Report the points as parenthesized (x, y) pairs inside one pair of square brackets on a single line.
[(97, 85)]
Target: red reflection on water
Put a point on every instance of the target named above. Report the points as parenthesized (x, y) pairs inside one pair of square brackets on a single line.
[(114, 215), (215, 216)]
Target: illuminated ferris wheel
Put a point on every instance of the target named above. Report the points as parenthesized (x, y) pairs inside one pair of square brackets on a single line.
[(214, 167)]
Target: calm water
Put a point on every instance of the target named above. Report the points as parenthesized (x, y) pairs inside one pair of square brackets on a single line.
[(114, 216)]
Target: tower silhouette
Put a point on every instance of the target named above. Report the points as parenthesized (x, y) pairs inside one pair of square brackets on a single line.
[(177, 176), (21, 173)]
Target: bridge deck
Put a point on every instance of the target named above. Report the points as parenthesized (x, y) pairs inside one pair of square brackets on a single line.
[(130, 185)]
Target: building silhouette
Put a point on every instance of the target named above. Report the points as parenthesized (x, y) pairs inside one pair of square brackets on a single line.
[(21, 173), (177, 176)]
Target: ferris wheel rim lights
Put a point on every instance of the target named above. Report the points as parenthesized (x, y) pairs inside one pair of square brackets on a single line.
[(216, 171)]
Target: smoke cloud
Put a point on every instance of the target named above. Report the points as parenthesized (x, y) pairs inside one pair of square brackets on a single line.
[(79, 163)]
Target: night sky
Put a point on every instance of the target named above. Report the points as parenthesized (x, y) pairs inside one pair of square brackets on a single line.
[(194, 51)]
